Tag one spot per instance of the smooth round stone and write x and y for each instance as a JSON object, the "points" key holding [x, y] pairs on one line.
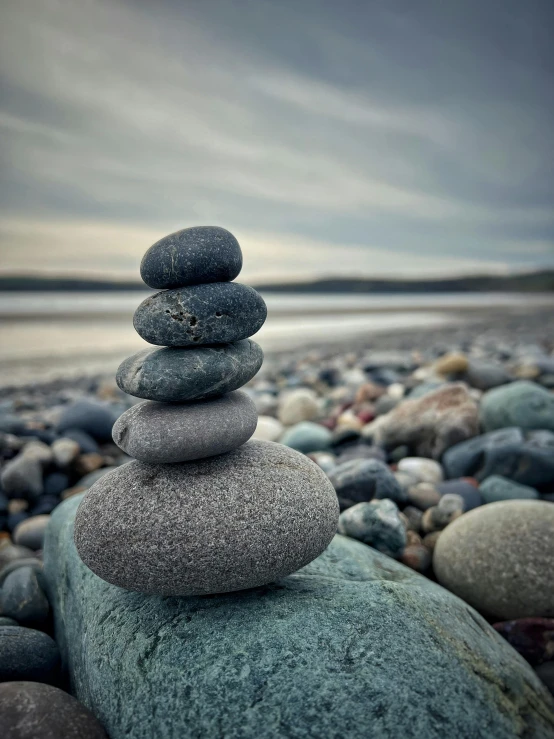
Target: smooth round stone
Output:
{"points": [[30, 533], [425, 470], [216, 313], [451, 364], [307, 437], [33, 562], [500, 559], [176, 374], [12, 552], [486, 375], [424, 495], [268, 429], [192, 256], [164, 433], [468, 492], [21, 477], [26, 654], [297, 406], [363, 479], [35, 711], [523, 404], [377, 523], [496, 488], [23, 599], [65, 451], [94, 417], [226, 523], [87, 444]]}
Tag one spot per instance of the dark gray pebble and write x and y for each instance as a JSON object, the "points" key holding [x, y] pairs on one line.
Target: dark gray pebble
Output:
{"points": [[94, 417], [17, 563], [177, 374], [26, 654], [23, 598], [192, 256], [361, 480], [217, 313]]}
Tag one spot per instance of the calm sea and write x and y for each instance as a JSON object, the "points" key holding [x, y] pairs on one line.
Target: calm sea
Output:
{"points": [[48, 335]]}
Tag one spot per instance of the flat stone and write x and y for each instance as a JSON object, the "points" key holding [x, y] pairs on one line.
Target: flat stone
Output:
{"points": [[360, 480], [216, 313], [526, 459], [23, 599], [179, 374], [30, 533], [500, 559], [307, 437], [524, 404], [377, 523], [226, 523], [35, 711], [337, 649], [192, 256], [26, 654], [496, 488], [165, 433]]}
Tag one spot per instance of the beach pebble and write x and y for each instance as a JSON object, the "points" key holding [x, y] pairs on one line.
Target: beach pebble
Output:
{"points": [[496, 488], [486, 375], [360, 450], [94, 417], [22, 477], [87, 445], [413, 516], [451, 364], [307, 437], [361, 480], [192, 256], [449, 507], [298, 405], [10, 553], [369, 392], [89, 479], [32, 710], [377, 523], [417, 557], [5, 621], [176, 375], [325, 460], [430, 540], [466, 490], [533, 638], [523, 404], [30, 533], [528, 459], [65, 451], [26, 654], [424, 495], [23, 599], [429, 425], [15, 564], [268, 429], [424, 470], [500, 559], [164, 433], [265, 510], [38, 451], [215, 313]]}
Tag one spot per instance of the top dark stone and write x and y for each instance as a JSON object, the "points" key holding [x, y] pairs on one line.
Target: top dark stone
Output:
{"points": [[192, 256]]}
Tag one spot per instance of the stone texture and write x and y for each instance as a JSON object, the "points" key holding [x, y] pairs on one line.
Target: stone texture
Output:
{"points": [[430, 424], [26, 654], [496, 488], [377, 524], [179, 374], [528, 459], [192, 256], [500, 558], [30, 533], [226, 523], [361, 480], [336, 650], [297, 406], [23, 599], [164, 433], [523, 404], [307, 437], [22, 477], [424, 470], [94, 417], [36, 711], [466, 490], [216, 313]]}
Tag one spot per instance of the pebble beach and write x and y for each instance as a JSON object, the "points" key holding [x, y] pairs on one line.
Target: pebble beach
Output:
{"points": [[389, 523]]}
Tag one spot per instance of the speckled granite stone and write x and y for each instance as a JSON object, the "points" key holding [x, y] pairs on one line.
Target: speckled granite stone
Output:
{"points": [[179, 374], [217, 313], [354, 645], [161, 433], [221, 524], [192, 256]]}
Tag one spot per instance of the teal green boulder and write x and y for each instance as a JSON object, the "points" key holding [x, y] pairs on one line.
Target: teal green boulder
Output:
{"points": [[354, 645], [496, 488], [524, 404]]}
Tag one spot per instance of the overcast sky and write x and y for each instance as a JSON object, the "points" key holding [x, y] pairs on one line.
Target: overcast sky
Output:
{"points": [[361, 137]]}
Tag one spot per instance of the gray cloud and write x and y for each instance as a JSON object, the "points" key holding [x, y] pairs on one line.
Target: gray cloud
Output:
{"points": [[372, 138]]}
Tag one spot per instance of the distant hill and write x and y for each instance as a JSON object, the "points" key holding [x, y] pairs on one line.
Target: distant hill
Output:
{"points": [[529, 282]]}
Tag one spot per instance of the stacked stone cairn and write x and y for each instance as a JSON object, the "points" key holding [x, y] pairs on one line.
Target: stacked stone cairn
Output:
{"points": [[200, 509]]}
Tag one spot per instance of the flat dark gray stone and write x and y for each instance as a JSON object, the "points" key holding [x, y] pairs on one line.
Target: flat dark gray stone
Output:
{"points": [[192, 256], [166, 433], [353, 646], [221, 524], [26, 654], [217, 313], [179, 374]]}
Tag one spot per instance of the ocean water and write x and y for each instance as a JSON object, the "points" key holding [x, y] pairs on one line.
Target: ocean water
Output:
{"points": [[49, 335]]}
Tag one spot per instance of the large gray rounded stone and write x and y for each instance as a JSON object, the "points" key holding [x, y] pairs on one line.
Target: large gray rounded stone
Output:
{"points": [[500, 558], [523, 404], [217, 313], [192, 256], [178, 374], [354, 645], [226, 523], [164, 433]]}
